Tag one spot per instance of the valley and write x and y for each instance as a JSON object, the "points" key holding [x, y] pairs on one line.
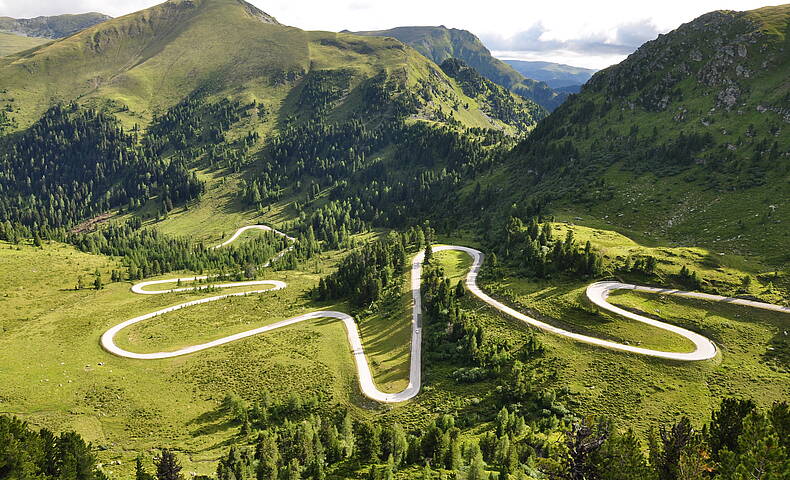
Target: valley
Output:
{"points": [[386, 254]]}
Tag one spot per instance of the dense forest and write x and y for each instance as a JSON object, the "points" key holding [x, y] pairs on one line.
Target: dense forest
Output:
{"points": [[346, 163], [29, 454], [76, 163], [740, 441]]}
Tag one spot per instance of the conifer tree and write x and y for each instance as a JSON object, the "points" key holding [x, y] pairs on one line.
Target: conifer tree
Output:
{"points": [[167, 466], [428, 254]]}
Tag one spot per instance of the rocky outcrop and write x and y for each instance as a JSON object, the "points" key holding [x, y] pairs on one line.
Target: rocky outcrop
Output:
{"points": [[714, 50]]}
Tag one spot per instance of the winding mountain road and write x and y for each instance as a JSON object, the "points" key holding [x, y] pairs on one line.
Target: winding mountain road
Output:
{"points": [[597, 293]]}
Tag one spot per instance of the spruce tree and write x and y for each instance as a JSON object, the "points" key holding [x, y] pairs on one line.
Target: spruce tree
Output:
{"points": [[428, 254], [477, 467], [167, 466]]}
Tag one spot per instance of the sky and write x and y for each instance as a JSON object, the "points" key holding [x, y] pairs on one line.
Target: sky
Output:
{"points": [[583, 33]]}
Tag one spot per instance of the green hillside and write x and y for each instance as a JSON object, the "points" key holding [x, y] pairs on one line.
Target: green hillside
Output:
{"points": [[441, 43], [130, 149], [686, 139], [10, 43], [143, 63], [332, 110], [57, 26]]}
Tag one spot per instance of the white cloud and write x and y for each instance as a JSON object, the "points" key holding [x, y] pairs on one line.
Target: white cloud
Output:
{"points": [[592, 32]]}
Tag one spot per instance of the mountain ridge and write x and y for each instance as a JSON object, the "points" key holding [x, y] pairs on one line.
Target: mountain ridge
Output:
{"points": [[51, 27], [145, 62], [688, 131], [439, 43], [555, 75]]}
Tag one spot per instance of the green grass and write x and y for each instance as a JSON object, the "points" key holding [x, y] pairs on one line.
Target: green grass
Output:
{"points": [[754, 352], [641, 391], [10, 43], [562, 300], [51, 339]]}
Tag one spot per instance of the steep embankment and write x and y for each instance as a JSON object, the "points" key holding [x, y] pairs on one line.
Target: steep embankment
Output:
{"points": [[686, 139]]}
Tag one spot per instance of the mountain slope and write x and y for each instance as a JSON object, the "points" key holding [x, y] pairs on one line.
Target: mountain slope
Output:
{"points": [[441, 43], [495, 100], [194, 85], [686, 138], [57, 26], [555, 75], [10, 43], [145, 62]]}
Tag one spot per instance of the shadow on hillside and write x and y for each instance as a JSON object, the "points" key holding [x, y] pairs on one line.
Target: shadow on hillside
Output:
{"points": [[778, 350], [210, 422]]}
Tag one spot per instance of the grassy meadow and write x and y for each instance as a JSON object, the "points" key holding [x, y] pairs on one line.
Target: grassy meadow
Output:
{"points": [[56, 374]]}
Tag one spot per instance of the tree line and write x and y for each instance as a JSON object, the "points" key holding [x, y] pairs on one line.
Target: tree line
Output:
{"points": [[147, 252], [740, 441]]}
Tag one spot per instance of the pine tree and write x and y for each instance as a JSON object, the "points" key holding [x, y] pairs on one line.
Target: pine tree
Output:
{"points": [[726, 425], [167, 467], [666, 458], [621, 458], [293, 470], [761, 456], [428, 254], [477, 468], [347, 435], [460, 289]]}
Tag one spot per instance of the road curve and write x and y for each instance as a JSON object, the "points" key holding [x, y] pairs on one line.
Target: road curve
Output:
{"points": [[597, 293], [367, 386]]}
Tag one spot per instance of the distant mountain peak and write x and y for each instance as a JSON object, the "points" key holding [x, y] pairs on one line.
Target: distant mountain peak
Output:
{"points": [[58, 26], [249, 8], [440, 43]]}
